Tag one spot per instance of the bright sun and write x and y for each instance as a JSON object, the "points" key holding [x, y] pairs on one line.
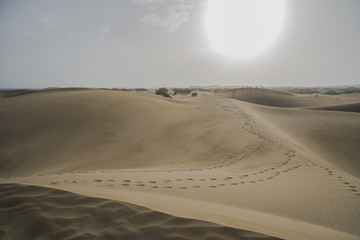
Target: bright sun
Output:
{"points": [[242, 28]]}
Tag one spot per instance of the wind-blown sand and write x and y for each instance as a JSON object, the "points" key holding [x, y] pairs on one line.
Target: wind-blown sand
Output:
{"points": [[63, 215], [286, 172]]}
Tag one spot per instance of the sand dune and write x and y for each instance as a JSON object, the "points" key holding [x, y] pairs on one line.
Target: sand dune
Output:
{"points": [[53, 214], [274, 98], [285, 172], [355, 107], [332, 135]]}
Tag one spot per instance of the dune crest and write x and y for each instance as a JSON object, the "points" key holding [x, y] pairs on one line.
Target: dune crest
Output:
{"points": [[64, 215]]}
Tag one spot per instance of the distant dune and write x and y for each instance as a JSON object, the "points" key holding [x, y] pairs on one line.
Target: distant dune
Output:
{"points": [[278, 164], [355, 107], [274, 98]]}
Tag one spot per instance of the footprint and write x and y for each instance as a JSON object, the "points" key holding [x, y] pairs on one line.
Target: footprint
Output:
{"points": [[234, 184], [168, 187], [127, 180], [140, 185], [154, 187], [212, 186], [110, 185], [190, 179], [74, 181], [183, 187], [152, 182], [252, 182], [97, 180], [111, 180], [213, 179], [54, 183], [125, 184], [196, 186]]}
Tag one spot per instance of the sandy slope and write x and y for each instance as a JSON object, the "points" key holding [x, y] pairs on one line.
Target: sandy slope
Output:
{"points": [[269, 170], [53, 214], [281, 99]]}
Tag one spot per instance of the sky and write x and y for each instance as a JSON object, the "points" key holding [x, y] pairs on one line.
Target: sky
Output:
{"points": [[164, 43]]}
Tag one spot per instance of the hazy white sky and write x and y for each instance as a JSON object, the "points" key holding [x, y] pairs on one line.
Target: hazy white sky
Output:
{"points": [[154, 43]]}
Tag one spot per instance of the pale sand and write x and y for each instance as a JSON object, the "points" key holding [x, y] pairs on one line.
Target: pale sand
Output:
{"points": [[289, 173]]}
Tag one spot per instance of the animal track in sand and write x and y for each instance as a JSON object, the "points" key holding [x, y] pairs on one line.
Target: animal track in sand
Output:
{"points": [[97, 180], [125, 184]]}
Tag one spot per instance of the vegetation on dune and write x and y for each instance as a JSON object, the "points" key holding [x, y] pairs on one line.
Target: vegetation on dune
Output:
{"points": [[163, 91], [183, 91]]}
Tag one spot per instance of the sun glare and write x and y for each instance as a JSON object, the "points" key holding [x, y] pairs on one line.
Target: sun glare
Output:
{"points": [[243, 28]]}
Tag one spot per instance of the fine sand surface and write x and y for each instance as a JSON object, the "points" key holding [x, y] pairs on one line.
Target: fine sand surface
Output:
{"points": [[29, 212], [287, 170]]}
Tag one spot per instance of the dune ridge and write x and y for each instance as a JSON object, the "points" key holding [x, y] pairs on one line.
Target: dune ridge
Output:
{"points": [[210, 158], [54, 214], [268, 97]]}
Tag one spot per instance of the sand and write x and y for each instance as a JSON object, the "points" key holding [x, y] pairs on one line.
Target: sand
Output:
{"points": [[290, 172], [64, 215]]}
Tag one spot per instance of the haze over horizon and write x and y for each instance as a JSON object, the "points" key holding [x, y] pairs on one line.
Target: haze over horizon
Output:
{"points": [[154, 43]]}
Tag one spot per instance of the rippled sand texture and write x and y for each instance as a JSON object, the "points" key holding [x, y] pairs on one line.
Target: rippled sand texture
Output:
{"points": [[29, 212]]}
